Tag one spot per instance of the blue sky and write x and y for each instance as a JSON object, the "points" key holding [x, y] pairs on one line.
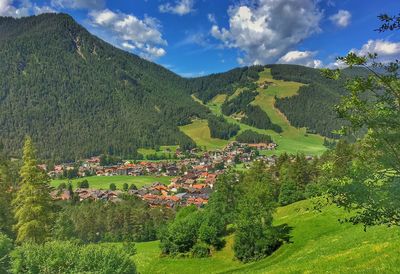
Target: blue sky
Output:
{"points": [[198, 37]]}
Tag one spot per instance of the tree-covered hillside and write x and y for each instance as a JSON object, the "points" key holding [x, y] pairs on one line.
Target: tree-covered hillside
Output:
{"points": [[77, 95], [313, 107]]}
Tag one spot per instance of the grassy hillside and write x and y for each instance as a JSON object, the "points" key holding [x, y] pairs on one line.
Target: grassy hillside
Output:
{"points": [[199, 132], [291, 140], [320, 244], [103, 182]]}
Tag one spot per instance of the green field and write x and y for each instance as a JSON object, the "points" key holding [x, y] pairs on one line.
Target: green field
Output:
{"points": [[292, 140], [199, 131], [320, 244], [103, 182]]}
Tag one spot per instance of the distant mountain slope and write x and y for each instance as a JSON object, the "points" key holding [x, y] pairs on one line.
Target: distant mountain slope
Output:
{"points": [[77, 95], [313, 107]]}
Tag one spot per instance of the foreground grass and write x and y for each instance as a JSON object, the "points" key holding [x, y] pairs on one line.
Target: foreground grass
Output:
{"points": [[320, 244], [103, 182]]}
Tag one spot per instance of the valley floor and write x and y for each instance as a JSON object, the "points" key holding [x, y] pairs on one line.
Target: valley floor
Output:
{"points": [[320, 244]]}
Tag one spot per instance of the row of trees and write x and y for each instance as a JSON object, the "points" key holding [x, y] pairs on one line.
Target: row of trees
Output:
{"points": [[220, 128], [252, 137], [256, 117]]}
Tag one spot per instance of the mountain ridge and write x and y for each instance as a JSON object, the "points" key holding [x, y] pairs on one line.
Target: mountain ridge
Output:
{"points": [[62, 85]]}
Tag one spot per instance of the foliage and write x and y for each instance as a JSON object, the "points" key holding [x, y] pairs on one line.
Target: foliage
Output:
{"points": [[207, 87], [82, 184], [6, 246], [313, 107], [180, 235], [252, 137], [368, 183], [113, 187], [59, 82], [6, 195], [200, 250], [389, 22], [220, 128], [256, 117], [255, 237], [238, 103], [33, 204], [128, 220], [68, 257]]}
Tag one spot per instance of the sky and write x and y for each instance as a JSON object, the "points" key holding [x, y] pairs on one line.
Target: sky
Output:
{"points": [[200, 37]]}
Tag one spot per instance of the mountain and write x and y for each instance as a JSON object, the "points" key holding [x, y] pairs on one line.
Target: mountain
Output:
{"points": [[78, 96]]}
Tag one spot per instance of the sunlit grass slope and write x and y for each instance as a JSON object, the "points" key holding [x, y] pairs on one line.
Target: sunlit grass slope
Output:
{"points": [[199, 131], [320, 244], [292, 139]]}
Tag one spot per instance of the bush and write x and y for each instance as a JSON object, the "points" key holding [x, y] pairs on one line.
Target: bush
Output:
{"points": [[113, 187], [200, 250], [68, 257], [82, 184], [5, 248]]}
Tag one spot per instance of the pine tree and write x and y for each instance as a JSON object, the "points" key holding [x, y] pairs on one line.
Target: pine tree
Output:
{"points": [[32, 204]]}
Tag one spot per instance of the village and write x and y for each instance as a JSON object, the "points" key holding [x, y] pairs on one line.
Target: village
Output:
{"points": [[192, 181]]}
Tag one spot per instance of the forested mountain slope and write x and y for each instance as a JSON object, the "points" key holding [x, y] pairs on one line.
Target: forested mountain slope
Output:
{"points": [[77, 95], [313, 107]]}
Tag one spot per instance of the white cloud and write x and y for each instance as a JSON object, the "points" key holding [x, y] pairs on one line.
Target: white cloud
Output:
{"points": [[79, 4], [267, 29], [341, 19], [304, 58], [13, 9], [386, 50], [181, 7], [211, 18], [42, 9], [128, 31], [22, 8]]}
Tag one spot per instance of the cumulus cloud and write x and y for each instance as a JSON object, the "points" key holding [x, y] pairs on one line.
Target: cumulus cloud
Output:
{"points": [[267, 29], [181, 7], [79, 4], [304, 58], [14, 9], [386, 50], [22, 8], [142, 36], [341, 19]]}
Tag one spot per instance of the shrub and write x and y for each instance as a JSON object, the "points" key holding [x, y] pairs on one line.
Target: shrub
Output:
{"points": [[200, 250], [113, 187], [5, 248], [83, 184], [68, 257]]}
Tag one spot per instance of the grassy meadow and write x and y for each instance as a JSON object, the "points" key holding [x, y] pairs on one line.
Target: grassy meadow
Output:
{"points": [[103, 182], [199, 131], [319, 244], [291, 140]]}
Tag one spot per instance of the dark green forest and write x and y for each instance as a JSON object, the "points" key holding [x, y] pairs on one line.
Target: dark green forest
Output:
{"points": [[313, 107], [61, 85], [251, 137]]}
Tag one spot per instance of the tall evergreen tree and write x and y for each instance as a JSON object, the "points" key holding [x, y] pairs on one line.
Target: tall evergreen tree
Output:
{"points": [[32, 204]]}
